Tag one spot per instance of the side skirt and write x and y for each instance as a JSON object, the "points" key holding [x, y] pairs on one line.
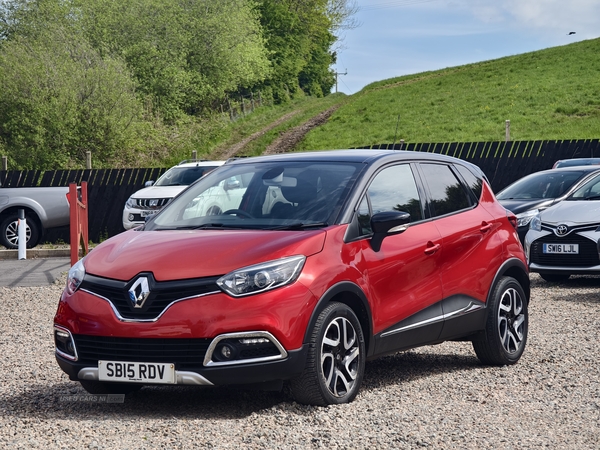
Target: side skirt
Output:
{"points": [[450, 319]]}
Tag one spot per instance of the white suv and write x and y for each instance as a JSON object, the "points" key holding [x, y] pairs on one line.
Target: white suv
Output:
{"points": [[152, 199]]}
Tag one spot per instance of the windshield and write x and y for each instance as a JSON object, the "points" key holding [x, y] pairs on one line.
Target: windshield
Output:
{"points": [[183, 176], [267, 195], [587, 191], [541, 185]]}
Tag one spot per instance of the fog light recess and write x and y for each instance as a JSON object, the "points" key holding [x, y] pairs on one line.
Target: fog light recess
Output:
{"points": [[238, 348], [64, 343]]}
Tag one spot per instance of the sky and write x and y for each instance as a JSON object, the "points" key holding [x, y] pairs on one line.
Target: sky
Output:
{"points": [[402, 37]]}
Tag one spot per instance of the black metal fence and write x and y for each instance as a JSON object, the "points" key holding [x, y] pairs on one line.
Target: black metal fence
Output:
{"points": [[109, 189], [505, 162]]}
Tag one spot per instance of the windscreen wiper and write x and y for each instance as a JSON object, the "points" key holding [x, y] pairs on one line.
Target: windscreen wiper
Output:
{"points": [[300, 226]]}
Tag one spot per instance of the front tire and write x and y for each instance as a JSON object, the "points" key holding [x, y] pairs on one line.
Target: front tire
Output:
{"points": [[336, 359], [505, 335], [9, 232]]}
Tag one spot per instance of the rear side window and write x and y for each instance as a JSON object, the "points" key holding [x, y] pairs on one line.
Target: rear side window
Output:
{"points": [[473, 182], [447, 193]]}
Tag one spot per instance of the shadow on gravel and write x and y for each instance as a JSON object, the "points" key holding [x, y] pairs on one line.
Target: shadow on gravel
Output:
{"points": [[577, 289], [406, 366], [70, 401]]}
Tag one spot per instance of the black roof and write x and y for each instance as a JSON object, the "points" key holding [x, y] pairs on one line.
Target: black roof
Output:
{"points": [[365, 156]]}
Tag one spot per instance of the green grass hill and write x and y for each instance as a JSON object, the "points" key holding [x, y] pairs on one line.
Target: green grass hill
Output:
{"points": [[551, 94]]}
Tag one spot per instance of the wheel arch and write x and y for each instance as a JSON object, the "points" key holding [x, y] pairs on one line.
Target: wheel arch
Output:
{"points": [[30, 213], [516, 269], [352, 296]]}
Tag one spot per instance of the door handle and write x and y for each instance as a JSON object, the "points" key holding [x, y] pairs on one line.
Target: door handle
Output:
{"points": [[432, 248], [485, 227]]}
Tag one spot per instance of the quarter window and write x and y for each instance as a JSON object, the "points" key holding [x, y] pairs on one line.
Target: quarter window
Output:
{"points": [[447, 192], [475, 183]]}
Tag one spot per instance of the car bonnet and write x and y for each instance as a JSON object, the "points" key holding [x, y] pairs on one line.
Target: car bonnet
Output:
{"points": [[184, 254]]}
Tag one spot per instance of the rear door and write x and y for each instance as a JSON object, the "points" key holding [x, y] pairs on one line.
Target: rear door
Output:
{"points": [[468, 248]]}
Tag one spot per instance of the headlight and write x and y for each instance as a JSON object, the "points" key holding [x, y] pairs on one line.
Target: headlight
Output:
{"points": [[131, 203], [262, 277], [524, 218], [536, 223], [75, 277]]}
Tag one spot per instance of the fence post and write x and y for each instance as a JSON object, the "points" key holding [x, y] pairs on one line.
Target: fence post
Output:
{"points": [[230, 110], [507, 126], [78, 213], [243, 107], [22, 234], [88, 160], [194, 154], [5, 163]]}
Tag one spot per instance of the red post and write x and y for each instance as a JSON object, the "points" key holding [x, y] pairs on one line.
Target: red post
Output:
{"points": [[78, 219]]}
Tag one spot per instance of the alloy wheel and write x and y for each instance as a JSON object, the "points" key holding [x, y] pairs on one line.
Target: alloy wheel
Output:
{"points": [[340, 353], [511, 320]]}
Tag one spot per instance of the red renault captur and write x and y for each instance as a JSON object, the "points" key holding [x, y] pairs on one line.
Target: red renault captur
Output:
{"points": [[299, 268]]}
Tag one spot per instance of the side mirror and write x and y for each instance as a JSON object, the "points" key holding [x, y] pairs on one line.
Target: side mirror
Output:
{"points": [[149, 183], [386, 223], [231, 183]]}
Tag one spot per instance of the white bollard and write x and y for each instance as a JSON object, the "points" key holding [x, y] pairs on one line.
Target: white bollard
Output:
{"points": [[22, 234]]}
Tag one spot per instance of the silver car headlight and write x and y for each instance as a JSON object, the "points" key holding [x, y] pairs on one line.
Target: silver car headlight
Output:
{"points": [[131, 203], [536, 223], [524, 218], [262, 277], [75, 277]]}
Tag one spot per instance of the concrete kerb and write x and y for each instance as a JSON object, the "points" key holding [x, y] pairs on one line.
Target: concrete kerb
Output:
{"points": [[36, 253]]}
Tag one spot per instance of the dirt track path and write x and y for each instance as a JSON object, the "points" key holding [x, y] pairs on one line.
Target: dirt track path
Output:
{"points": [[285, 142], [230, 152], [288, 140]]}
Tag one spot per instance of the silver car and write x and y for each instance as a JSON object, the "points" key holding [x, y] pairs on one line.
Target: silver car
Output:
{"points": [[563, 239]]}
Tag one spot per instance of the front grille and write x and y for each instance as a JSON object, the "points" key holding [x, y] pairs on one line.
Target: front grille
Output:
{"points": [[152, 203], [187, 354], [162, 293], [587, 256]]}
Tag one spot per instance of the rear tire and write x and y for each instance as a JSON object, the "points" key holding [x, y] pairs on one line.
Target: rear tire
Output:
{"points": [[555, 277], [104, 388], [9, 232], [336, 359], [505, 335]]}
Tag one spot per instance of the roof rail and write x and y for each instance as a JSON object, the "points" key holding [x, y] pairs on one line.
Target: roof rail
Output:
{"points": [[185, 161]]}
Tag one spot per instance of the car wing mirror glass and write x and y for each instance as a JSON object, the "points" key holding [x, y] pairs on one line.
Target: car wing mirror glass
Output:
{"points": [[385, 223]]}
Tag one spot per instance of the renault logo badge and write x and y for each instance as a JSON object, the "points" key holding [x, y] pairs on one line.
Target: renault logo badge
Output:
{"points": [[561, 230], [139, 292]]}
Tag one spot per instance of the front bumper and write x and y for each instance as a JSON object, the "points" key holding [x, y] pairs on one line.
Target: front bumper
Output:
{"points": [[238, 374], [585, 262]]}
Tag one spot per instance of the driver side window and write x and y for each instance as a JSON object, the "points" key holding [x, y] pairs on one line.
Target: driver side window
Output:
{"points": [[392, 189]]}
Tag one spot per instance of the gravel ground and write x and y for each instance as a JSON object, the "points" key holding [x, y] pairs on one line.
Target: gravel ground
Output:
{"points": [[437, 397]]}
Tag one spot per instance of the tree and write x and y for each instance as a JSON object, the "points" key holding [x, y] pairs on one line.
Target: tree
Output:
{"points": [[300, 35], [185, 54], [59, 99]]}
